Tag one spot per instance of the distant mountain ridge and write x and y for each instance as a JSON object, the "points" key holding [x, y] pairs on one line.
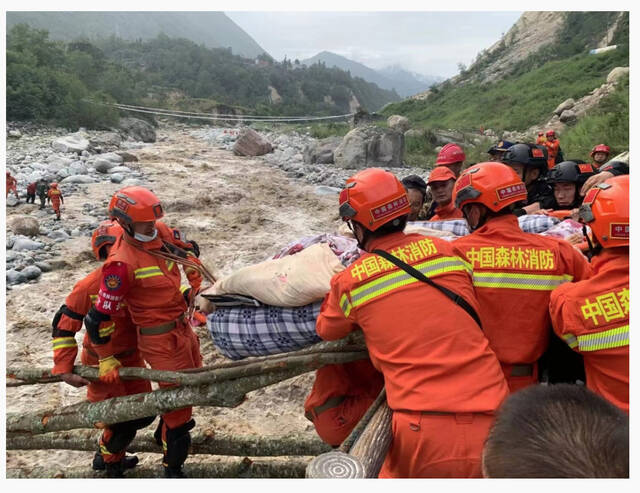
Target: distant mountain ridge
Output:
{"points": [[212, 29], [393, 77]]}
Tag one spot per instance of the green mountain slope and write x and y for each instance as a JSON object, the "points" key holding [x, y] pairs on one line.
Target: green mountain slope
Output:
{"points": [[213, 29], [51, 80], [530, 89]]}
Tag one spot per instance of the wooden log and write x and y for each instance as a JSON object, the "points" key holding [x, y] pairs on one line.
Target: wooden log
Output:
{"points": [[275, 363], [367, 447], [372, 445], [206, 442], [290, 467], [348, 442], [100, 414]]}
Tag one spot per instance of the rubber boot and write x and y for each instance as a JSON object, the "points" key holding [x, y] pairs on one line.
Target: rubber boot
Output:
{"points": [[115, 469], [129, 462], [174, 472]]}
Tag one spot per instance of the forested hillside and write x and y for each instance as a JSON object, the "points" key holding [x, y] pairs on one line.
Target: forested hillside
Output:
{"points": [[212, 29], [50, 80]]}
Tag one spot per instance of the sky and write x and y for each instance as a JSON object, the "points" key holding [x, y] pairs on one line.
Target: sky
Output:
{"points": [[430, 43]]}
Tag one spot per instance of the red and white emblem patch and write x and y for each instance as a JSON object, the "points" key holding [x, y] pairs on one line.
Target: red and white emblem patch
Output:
{"points": [[619, 231], [511, 191], [112, 282], [389, 208]]}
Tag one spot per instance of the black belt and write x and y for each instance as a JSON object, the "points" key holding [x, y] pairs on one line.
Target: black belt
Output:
{"points": [[162, 328], [521, 371]]}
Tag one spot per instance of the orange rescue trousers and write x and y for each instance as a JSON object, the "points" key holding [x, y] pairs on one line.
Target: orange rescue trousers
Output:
{"points": [[115, 439], [334, 425], [431, 445], [178, 349]]}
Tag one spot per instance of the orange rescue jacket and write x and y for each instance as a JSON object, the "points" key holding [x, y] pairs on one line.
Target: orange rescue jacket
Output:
{"points": [[449, 211], [433, 356], [80, 300], [150, 285], [552, 150], [513, 274], [592, 316]]}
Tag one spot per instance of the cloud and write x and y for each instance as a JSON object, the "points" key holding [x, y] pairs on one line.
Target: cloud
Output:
{"points": [[431, 43]]}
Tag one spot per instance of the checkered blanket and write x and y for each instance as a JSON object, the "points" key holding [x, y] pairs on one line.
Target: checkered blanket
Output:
{"points": [[239, 332], [529, 223]]}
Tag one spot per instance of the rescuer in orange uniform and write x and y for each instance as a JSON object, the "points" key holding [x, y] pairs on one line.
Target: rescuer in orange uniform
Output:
{"points": [[592, 316], [513, 272], [55, 196], [452, 156], [11, 185], [600, 154], [541, 138], [136, 273], [443, 382], [552, 144], [340, 396], [122, 345], [441, 181]]}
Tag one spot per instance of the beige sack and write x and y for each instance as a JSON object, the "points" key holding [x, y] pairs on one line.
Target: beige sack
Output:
{"points": [[294, 280]]}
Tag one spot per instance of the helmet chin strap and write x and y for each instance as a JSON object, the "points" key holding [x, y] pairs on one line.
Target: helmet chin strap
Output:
{"points": [[481, 221]]}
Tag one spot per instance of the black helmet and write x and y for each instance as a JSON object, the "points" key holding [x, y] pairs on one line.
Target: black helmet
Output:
{"points": [[530, 155], [571, 172]]}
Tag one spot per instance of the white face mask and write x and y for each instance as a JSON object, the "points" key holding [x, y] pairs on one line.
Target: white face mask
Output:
{"points": [[145, 238]]}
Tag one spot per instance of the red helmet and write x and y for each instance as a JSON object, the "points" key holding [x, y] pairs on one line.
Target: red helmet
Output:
{"points": [[449, 154], [601, 148], [106, 234], [54, 185], [135, 205], [8, 173], [606, 210], [551, 133], [373, 197], [540, 134], [492, 184]]}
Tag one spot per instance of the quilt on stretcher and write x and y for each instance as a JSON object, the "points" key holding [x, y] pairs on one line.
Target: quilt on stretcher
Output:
{"points": [[239, 332]]}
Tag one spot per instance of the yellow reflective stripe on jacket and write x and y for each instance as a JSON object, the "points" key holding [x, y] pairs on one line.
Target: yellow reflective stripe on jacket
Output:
{"points": [[93, 298], [107, 330], [183, 288], [606, 339], [170, 264], [63, 342], [571, 340], [345, 305], [511, 280], [400, 278], [145, 272], [104, 450]]}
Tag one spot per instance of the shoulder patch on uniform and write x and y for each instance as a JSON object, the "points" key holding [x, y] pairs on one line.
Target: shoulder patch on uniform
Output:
{"points": [[112, 282]]}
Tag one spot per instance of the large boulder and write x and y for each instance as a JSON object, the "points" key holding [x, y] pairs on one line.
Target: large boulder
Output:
{"points": [[15, 277], [368, 146], [78, 179], [321, 151], [107, 139], [31, 272], [398, 123], [251, 143], [22, 243], [443, 137], [105, 162], [565, 105], [617, 73], [56, 163], [127, 157], [137, 129], [71, 143], [568, 116], [78, 168], [24, 225], [12, 201]]}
